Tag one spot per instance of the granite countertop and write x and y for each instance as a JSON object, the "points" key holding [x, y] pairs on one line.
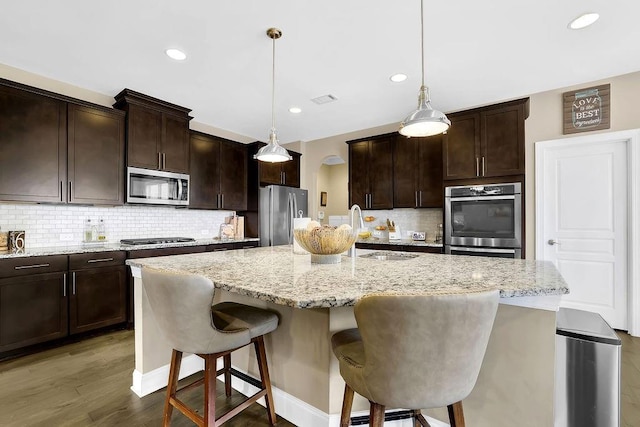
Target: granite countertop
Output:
{"points": [[106, 247], [277, 275]]}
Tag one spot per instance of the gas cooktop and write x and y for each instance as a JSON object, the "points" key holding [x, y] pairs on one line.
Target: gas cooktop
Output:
{"points": [[156, 240]]}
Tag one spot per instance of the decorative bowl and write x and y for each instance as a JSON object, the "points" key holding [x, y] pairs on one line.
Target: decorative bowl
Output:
{"points": [[325, 243]]}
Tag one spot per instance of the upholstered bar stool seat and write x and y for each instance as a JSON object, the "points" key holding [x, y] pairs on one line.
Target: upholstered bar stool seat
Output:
{"points": [[415, 352], [182, 307]]}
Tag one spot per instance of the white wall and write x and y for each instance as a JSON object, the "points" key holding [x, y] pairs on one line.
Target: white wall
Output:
{"points": [[44, 224]]}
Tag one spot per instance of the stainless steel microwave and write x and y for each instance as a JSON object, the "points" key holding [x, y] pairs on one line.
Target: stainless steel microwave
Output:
{"points": [[157, 187]]}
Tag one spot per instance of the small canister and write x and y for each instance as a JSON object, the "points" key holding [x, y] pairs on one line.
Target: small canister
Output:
{"points": [[16, 242], [4, 242]]}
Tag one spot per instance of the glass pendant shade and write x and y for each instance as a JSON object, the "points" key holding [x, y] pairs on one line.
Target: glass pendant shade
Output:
{"points": [[425, 121], [272, 152]]}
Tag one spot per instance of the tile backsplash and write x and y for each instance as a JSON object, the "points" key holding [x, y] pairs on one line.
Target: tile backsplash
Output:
{"points": [[409, 219], [60, 225]]}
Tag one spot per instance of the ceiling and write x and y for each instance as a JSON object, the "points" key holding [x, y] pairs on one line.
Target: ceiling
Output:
{"points": [[476, 53]]}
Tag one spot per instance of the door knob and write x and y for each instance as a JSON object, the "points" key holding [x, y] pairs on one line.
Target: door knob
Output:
{"points": [[552, 242]]}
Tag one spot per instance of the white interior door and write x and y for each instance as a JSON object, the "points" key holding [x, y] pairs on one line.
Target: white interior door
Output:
{"points": [[583, 203]]}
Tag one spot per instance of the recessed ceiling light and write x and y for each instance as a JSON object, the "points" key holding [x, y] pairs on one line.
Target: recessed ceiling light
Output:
{"points": [[176, 54], [397, 78], [295, 110], [583, 21]]}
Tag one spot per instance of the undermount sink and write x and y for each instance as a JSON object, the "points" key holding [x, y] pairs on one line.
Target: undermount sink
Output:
{"points": [[388, 256]]}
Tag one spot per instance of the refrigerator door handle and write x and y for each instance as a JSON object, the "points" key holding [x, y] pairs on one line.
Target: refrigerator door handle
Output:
{"points": [[270, 216]]}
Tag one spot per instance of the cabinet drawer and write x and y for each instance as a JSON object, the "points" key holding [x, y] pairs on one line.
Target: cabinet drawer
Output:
{"points": [[96, 260], [220, 247], [246, 245], [23, 266]]}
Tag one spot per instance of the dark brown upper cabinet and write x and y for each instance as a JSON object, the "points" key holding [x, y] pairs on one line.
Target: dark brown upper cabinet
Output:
{"points": [[486, 142], [218, 173], [282, 173], [417, 172], [157, 132], [57, 149], [95, 158], [371, 172]]}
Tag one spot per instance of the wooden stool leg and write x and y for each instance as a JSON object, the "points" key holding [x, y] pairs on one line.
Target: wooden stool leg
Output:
{"points": [[347, 402], [227, 374], [210, 390], [261, 355], [174, 372], [419, 420], [376, 415], [456, 416]]}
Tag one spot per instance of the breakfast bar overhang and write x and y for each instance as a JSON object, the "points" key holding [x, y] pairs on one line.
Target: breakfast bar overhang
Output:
{"points": [[516, 382]]}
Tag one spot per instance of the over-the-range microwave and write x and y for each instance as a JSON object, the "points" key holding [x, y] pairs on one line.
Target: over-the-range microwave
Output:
{"points": [[157, 187]]}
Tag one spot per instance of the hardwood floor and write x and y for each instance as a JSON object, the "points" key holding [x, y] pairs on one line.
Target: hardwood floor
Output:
{"points": [[87, 384]]}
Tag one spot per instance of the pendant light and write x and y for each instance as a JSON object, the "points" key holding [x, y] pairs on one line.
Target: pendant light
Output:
{"points": [[273, 152], [425, 121]]}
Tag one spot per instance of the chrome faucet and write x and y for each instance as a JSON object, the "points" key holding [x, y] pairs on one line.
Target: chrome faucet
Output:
{"points": [[352, 250]]}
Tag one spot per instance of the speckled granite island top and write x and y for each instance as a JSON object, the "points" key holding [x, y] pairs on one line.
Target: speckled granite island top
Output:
{"points": [[277, 275]]}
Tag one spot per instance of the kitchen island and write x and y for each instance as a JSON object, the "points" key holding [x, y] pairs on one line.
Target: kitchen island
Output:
{"points": [[516, 382]]}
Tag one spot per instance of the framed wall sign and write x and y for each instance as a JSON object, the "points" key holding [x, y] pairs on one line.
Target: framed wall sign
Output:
{"points": [[323, 198], [586, 109]]}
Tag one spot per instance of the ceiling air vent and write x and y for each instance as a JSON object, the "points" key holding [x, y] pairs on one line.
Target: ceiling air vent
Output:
{"points": [[324, 99]]}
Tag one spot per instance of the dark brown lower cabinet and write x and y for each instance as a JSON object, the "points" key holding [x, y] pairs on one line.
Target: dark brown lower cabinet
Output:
{"points": [[98, 298], [33, 309], [33, 300], [399, 248]]}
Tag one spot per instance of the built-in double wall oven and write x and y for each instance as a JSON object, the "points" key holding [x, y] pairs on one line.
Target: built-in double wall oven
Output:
{"points": [[484, 220]]}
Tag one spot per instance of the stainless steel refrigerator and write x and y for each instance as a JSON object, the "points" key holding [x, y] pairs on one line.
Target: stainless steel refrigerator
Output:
{"points": [[277, 206]]}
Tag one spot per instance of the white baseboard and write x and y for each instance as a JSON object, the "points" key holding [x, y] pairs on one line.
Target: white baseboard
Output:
{"points": [[144, 384], [287, 406]]}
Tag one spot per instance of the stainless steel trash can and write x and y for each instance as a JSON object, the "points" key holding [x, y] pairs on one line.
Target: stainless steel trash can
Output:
{"points": [[587, 389]]}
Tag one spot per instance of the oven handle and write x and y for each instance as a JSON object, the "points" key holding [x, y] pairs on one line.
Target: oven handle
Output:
{"points": [[490, 250], [480, 198]]}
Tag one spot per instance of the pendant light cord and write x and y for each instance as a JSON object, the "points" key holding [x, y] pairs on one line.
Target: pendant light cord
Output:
{"points": [[422, 36], [273, 87]]}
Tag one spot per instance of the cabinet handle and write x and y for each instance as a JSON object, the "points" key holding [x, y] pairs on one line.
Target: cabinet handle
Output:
{"points": [[164, 160], [482, 165], [70, 190], [221, 201], [74, 284], [100, 260], [416, 199], [24, 267], [477, 166], [159, 160], [64, 285], [61, 191], [420, 198], [281, 177]]}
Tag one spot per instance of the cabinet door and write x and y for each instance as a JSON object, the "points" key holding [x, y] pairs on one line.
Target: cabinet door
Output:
{"points": [[175, 144], [98, 298], [429, 159], [144, 136], [502, 141], [405, 171], [95, 156], [461, 147], [233, 176], [358, 173], [291, 171], [33, 147], [381, 174], [33, 309], [205, 172], [270, 173]]}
